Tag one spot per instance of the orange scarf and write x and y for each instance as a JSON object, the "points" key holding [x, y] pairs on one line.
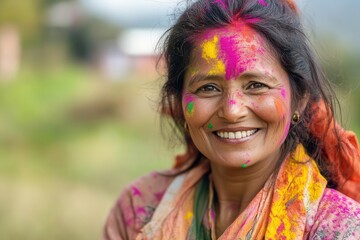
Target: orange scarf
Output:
{"points": [[284, 210], [340, 149]]}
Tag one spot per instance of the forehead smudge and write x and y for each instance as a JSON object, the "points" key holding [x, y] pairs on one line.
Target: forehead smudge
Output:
{"points": [[232, 50], [210, 53]]}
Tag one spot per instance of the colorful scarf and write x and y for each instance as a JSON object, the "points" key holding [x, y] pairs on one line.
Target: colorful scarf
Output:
{"points": [[282, 210]]}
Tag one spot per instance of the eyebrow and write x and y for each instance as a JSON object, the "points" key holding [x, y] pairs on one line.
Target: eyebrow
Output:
{"points": [[201, 77], [248, 75]]}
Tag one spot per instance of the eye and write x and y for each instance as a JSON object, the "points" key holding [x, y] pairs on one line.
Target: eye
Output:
{"points": [[256, 85], [207, 89]]}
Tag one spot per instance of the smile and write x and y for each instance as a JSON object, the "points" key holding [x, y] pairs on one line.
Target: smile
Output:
{"points": [[236, 135]]}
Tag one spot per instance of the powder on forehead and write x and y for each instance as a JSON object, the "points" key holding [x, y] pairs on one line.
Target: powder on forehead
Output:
{"points": [[210, 53], [230, 50]]}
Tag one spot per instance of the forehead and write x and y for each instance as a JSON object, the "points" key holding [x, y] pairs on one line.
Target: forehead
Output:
{"points": [[231, 50]]}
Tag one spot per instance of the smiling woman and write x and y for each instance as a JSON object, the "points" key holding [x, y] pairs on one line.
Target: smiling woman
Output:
{"points": [[265, 159]]}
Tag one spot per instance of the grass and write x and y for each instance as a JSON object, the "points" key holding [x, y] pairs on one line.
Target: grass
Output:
{"points": [[69, 143]]}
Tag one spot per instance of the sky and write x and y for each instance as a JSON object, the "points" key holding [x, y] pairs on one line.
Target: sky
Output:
{"points": [[334, 17]]}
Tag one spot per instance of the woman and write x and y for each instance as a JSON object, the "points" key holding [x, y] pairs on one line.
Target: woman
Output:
{"points": [[265, 158]]}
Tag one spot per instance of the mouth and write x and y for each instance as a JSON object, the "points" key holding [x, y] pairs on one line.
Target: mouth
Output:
{"points": [[236, 135]]}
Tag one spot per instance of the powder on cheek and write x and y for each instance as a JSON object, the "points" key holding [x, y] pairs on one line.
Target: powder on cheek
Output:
{"points": [[282, 113], [210, 126], [190, 104], [283, 92], [279, 108]]}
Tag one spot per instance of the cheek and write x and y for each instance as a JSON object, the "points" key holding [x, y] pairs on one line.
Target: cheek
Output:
{"points": [[189, 105], [272, 109], [197, 111]]}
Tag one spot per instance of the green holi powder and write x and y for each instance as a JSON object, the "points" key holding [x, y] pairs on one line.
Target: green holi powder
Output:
{"points": [[244, 165], [210, 126], [190, 108]]}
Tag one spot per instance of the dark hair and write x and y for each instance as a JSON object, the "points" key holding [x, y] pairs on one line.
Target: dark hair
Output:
{"points": [[279, 23]]}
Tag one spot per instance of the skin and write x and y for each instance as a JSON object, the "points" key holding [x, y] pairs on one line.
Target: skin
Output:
{"points": [[236, 84]]}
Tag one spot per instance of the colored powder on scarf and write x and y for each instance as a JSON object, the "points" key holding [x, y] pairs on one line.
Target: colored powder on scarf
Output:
{"points": [[140, 210], [262, 2], [189, 215], [210, 126], [159, 195], [280, 228], [135, 191], [210, 54], [283, 226]]}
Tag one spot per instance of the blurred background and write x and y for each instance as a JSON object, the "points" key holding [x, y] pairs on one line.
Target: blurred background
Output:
{"points": [[78, 104]]}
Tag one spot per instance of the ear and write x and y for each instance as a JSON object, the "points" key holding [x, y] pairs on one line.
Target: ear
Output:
{"points": [[303, 103]]}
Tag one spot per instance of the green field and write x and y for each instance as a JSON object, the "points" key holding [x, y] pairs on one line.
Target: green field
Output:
{"points": [[69, 142]]}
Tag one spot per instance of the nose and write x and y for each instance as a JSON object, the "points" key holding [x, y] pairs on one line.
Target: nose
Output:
{"points": [[233, 109]]}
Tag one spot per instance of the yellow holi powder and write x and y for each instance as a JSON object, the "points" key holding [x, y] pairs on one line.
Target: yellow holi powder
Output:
{"points": [[210, 49], [301, 186], [210, 52], [189, 216]]}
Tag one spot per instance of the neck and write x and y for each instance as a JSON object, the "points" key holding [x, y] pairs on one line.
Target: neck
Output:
{"points": [[235, 188]]}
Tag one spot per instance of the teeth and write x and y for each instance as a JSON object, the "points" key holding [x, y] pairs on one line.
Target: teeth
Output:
{"points": [[236, 135]]}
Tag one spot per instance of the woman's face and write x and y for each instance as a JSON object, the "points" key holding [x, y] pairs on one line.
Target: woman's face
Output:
{"points": [[236, 98]]}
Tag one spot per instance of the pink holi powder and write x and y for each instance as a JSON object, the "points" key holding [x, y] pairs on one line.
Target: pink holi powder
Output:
{"points": [[231, 57], [135, 191], [159, 195], [262, 2], [188, 98], [280, 228], [283, 92], [140, 210], [232, 102], [252, 20], [212, 213]]}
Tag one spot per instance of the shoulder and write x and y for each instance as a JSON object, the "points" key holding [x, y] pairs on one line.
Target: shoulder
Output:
{"points": [[136, 205], [338, 217]]}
